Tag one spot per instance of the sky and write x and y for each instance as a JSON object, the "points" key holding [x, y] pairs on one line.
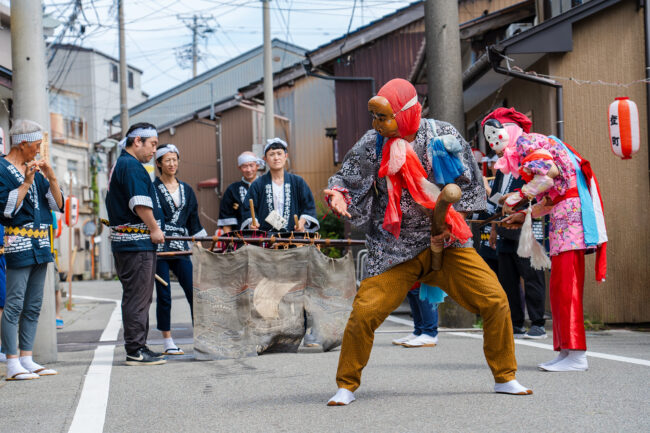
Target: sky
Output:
{"points": [[155, 29]]}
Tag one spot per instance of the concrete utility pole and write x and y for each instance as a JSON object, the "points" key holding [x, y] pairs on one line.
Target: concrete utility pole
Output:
{"points": [[124, 106], [444, 69], [269, 116], [201, 27], [31, 102], [195, 54]]}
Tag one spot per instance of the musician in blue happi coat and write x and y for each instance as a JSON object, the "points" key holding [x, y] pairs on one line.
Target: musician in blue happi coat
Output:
{"points": [[136, 220], [279, 195], [181, 212], [230, 208], [29, 190]]}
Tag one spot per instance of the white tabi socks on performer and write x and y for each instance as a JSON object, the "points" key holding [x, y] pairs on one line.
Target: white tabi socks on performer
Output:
{"points": [[513, 387], [563, 354], [343, 397], [574, 360]]}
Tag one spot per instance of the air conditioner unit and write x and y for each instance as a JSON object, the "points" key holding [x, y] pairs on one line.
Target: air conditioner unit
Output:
{"points": [[516, 28]]}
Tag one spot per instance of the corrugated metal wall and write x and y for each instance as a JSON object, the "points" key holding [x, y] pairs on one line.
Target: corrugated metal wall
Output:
{"points": [[237, 126], [224, 85], [391, 56], [470, 9], [197, 144], [310, 105]]}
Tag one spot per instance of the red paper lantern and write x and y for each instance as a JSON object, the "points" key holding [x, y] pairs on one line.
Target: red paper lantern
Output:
{"points": [[71, 210], [59, 225], [624, 135]]}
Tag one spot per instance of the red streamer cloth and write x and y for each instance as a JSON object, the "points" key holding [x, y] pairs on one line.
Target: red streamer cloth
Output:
{"points": [[405, 170]]}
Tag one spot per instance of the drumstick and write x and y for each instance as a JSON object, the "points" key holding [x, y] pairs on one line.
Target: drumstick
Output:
{"points": [[250, 203], [295, 220], [45, 147], [161, 281]]}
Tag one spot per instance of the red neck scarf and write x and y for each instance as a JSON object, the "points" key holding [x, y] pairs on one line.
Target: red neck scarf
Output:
{"points": [[402, 167]]}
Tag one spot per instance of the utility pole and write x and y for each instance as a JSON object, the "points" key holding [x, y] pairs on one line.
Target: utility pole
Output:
{"points": [[195, 54], [269, 116], [444, 69], [124, 107], [30, 98], [200, 27]]}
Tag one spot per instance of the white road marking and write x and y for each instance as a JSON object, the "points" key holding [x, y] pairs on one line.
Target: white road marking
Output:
{"points": [[91, 410], [626, 359]]}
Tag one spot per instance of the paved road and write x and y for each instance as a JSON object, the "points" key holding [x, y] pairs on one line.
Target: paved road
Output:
{"points": [[405, 390]]}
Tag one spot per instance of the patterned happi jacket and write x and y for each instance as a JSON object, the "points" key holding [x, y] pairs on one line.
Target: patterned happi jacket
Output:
{"points": [[368, 197]]}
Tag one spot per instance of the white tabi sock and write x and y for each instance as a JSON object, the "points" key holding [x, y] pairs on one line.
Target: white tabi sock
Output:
{"points": [[563, 354], [576, 360], [14, 368], [29, 364], [343, 397], [512, 387], [169, 344], [3, 357]]}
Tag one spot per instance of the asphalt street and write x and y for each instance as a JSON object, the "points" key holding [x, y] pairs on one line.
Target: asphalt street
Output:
{"points": [[445, 388]]}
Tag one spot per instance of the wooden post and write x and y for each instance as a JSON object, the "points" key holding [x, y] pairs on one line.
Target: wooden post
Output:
{"points": [[70, 252]]}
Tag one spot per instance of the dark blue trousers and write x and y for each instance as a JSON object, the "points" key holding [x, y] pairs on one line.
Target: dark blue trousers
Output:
{"points": [[182, 268], [425, 315]]}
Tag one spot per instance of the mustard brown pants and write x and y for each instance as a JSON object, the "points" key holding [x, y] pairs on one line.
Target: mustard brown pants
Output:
{"points": [[464, 276]]}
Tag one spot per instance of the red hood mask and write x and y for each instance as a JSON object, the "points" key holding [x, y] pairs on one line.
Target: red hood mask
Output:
{"points": [[403, 168]]}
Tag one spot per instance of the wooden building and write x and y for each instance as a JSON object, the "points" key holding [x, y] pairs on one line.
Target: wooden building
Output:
{"points": [[600, 41]]}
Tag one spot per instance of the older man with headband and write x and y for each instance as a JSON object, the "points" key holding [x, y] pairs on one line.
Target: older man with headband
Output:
{"points": [[29, 190], [136, 219], [231, 203]]}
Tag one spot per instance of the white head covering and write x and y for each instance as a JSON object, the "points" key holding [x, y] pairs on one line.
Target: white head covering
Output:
{"points": [[138, 132], [163, 150], [246, 157], [29, 137], [275, 140]]}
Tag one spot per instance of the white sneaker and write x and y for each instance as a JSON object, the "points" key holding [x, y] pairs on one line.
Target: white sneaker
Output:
{"points": [[576, 360], [401, 341], [423, 340]]}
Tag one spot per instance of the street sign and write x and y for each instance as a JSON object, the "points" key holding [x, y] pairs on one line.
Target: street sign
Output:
{"points": [[89, 228]]}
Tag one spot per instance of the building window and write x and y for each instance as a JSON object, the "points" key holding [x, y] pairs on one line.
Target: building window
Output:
{"points": [[72, 168], [114, 73], [130, 80]]}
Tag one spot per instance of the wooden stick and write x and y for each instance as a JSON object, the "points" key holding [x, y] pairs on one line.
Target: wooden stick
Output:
{"points": [[450, 194], [271, 240], [174, 253], [160, 280], [250, 203], [296, 221], [45, 147]]}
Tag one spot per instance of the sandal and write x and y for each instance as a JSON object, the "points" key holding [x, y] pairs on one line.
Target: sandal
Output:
{"points": [[23, 375], [174, 351], [45, 372]]}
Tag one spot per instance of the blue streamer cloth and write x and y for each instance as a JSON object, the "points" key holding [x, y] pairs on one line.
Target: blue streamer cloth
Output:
{"points": [[432, 294]]}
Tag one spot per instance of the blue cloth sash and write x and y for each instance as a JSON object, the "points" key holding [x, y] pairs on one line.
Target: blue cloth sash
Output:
{"points": [[589, 224]]}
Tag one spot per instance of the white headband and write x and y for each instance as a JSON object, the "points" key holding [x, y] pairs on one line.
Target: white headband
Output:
{"points": [[29, 137], [138, 132], [246, 158], [410, 103], [272, 141], [166, 149]]}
